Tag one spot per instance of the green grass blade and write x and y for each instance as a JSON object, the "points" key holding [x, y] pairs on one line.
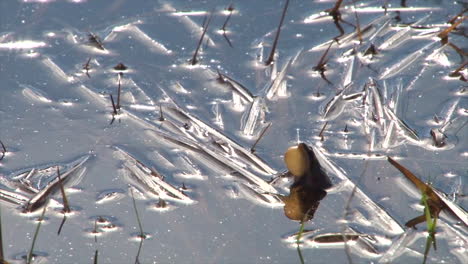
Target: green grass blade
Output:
{"points": [[30, 255]]}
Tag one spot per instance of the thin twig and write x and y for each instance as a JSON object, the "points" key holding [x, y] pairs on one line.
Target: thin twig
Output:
{"points": [[66, 206], [456, 72], [271, 58], [323, 130], [230, 9], [252, 149], [227, 39], [161, 116], [137, 258], [220, 78], [95, 257], [320, 67], [62, 224], [335, 13], [443, 35], [3, 150], [137, 215], [114, 109], [142, 236], [95, 230], [94, 40], [120, 67], [194, 59], [453, 19], [86, 67]]}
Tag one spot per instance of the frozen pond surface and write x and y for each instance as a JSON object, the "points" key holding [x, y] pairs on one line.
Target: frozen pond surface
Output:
{"points": [[180, 140]]}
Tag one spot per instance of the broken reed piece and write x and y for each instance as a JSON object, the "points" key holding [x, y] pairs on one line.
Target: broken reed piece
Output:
{"points": [[444, 34], [95, 41], [252, 149], [317, 94], [271, 58], [235, 86], [372, 50], [335, 10], [194, 59], [66, 206], [227, 40], [335, 13], [62, 224], [95, 230], [120, 67], [161, 116], [320, 67], [220, 78], [40, 197], [435, 199], [323, 130], [153, 181], [86, 67], [161, 203], [230, 9], [435, 203], [438, 137], [436, 119], [3, 150], [456, 72], [459, 15], [423, 187], [114, 109]]}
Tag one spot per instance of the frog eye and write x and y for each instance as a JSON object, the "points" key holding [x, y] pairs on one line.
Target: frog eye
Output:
{"points": [[297, 160]]}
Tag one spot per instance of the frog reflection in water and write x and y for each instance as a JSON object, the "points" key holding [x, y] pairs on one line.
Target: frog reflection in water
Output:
{"points": [[310, 183]]}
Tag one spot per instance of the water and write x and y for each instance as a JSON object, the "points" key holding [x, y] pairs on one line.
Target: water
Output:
{"points": [[217, 203]]}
